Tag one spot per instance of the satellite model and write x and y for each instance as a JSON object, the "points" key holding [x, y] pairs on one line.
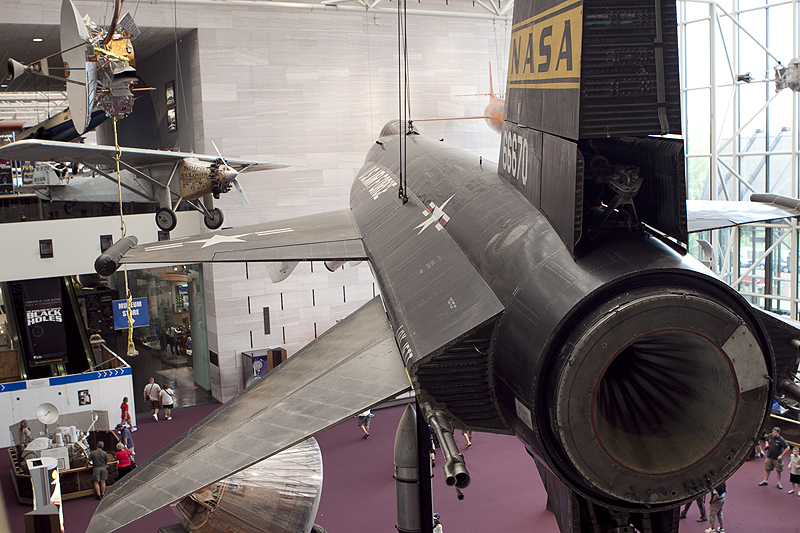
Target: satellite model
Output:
{"points": [[99, 65], [47, 414]]}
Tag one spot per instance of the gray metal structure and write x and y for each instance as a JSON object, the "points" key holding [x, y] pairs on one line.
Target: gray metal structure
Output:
{"points": [[741, 135], [552, 297], [314, 237], [706, 214]]}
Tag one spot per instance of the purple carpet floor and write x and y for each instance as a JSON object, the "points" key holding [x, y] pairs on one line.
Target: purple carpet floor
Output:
{"points": [[358, 493]]}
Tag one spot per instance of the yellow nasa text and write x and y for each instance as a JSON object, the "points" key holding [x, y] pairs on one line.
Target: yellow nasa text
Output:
{"points": [[546, 49]]}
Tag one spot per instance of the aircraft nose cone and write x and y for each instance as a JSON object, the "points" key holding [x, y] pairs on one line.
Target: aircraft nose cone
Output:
{"points": [[229, 174]]}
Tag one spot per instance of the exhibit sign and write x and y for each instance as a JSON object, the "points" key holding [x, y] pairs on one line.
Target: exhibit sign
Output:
{"points": [[6, 180], [44, 321], [139, 313], [27, 168]]}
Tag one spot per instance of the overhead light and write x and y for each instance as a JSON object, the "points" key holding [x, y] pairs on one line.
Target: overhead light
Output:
{"points": [[37, 39]]}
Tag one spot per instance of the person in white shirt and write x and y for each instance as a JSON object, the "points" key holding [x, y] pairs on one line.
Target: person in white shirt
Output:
{"points": [[166, 400], [794, 470], [152, 394], [437, 524], [363, 422]]}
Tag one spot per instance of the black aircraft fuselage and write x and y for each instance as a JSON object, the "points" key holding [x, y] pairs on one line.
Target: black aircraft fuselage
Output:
{"points": [[607, 363]]}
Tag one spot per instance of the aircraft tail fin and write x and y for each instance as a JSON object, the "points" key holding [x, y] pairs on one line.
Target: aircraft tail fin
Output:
{"points": [[491, 85], [580, 73]]}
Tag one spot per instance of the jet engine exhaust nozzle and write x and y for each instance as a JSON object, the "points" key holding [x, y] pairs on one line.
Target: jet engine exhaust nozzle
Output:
{"points": [[641, 378]]}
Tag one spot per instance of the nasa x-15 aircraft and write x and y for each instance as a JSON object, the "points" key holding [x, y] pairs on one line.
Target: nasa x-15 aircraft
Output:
{"points": [[150, 175], [551, 297]]}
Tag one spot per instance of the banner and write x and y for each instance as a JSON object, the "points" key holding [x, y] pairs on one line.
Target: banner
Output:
{"points": [[27, 173], [6, 182], [139, 313], [44, 323]]}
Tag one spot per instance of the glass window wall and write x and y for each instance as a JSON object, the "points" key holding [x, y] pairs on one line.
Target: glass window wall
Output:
{"points": [[741, 137]]}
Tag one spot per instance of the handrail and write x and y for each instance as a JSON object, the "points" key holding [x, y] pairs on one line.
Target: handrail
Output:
{"points": [[102, 344]]}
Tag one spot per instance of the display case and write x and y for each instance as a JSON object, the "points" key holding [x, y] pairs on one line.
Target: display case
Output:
{"points": [[256, 363]]}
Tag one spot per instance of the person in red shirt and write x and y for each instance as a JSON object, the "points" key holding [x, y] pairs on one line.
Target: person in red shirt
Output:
{"points": [[126, 416], [124, 456]]}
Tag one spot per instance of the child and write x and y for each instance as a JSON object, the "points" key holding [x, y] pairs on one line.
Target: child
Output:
{"points": [[126, 416], [794, 470]]}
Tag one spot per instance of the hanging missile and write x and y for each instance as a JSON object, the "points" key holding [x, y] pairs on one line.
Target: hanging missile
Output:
{"points": [[108, 262], [406, 473]]}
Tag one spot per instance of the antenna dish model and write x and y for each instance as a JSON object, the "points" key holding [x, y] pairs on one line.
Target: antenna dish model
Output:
{"points": [[47, 413]]}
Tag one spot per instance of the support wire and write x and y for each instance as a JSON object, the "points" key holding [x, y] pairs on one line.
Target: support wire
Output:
{"points": [[403, 96], [123, 229]]}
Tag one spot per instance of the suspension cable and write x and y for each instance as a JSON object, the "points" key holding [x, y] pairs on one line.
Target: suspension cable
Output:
{"points": [[403, 96], [123, 229]]}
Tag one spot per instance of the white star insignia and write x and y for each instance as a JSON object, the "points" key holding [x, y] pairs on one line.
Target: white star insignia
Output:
{"points": [[219, 239], [436, 215]]}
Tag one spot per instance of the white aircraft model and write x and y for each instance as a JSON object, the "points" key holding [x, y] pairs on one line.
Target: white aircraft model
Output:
{"points": [[168, 178]]}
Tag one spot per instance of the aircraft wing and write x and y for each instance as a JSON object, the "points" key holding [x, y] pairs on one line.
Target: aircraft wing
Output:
{"points": [[705, 215], [37, 150], [353, 366], [251, 166], [450, 118], [326, 236]]}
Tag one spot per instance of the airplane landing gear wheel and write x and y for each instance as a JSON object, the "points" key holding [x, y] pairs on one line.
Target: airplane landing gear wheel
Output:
{"points": [[215, 220], [166, 219]]}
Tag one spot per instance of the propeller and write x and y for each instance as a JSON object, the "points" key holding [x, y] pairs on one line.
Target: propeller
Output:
{"points": [[235, 173]]}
